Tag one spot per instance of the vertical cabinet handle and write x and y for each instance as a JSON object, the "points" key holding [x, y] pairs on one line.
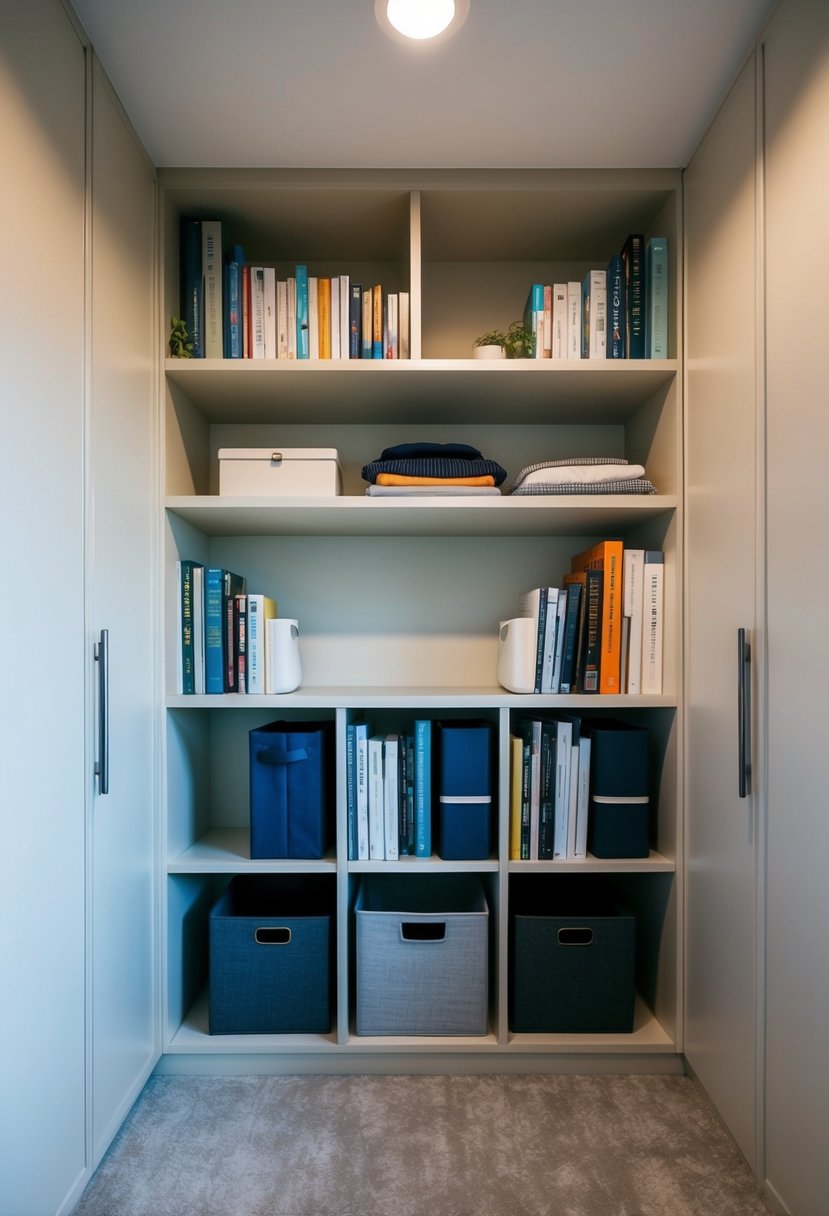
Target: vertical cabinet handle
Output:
{"points": [[102, 763], [743, 713]]}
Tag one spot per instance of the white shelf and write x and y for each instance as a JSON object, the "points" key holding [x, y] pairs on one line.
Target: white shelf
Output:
{"points": [[655, 863], [227, 851], [352, 515], [420, 390], [383, 697]]}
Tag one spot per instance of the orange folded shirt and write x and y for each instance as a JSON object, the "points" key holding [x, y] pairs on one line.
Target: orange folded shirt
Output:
{"points": [[400, 479]]}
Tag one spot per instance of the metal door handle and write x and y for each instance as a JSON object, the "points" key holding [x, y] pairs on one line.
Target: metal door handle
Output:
{"points": [[743, 713], [102, 763]]}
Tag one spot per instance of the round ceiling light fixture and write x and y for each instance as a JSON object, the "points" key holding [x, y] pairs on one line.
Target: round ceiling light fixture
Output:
{"points": [[421, 20]]}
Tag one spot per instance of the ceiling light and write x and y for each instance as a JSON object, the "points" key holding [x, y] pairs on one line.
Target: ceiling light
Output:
{"points": [[421, 20]]}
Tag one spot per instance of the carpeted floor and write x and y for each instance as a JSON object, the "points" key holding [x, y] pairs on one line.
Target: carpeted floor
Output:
{"points": [[422, 1146]]}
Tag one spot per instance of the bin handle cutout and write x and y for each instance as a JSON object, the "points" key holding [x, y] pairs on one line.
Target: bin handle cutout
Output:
{"points": [[575, 937], [423, 931], [278, 755], [272, 936]]}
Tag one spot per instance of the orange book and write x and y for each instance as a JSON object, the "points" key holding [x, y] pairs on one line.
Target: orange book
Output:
{"points": [[377, 321], [324, 315], [607, 556]]}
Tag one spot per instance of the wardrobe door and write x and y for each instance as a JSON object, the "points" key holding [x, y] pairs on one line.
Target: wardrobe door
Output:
{"points": [[42, 743], [123, 485], [722, 588], [797, 273]]}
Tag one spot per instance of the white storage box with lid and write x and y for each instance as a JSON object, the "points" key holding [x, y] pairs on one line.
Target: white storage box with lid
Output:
{"points": [[422, 955], [279, 472]]}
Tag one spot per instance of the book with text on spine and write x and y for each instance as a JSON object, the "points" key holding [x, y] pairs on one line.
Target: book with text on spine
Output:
{"points": [[653, 594], [423, 786], [302, 344], [191, 282], [633, 263], [391, 795], [633, 573], [261, 609], [607, 556], [594, 315], [186, 652], [233, 336], [656, 298], [376, 801], [534, 317], [616, 309], [212, 269]]}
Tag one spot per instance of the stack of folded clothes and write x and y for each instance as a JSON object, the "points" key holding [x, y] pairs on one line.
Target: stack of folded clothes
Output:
{"points": [[418, 469], [583, 475]]}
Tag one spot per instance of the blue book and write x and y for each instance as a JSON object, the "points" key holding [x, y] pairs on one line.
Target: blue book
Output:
{"points": [[633, 262], [534, 317], [351, 789], [233, 304], [423, 787], [355, 321], [191, 283], [656, 295], [303, 349], [187, 609], [616, 309], [569, 655]]}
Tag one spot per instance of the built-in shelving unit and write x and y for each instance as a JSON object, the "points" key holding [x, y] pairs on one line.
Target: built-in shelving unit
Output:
{"points": [[399, 601]]}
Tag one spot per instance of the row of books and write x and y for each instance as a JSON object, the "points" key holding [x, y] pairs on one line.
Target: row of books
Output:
{"points": [[602, 630], [223, 632], [578, 785], [616, 312], [235, 310], [389, 792]]}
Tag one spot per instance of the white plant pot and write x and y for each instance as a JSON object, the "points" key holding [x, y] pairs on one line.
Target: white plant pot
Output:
{"points": [[487, 352]]}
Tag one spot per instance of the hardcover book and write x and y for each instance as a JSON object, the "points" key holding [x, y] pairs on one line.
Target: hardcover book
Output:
{"points": [[633, 262], [423, 787], [656, 307], [191, 282], [607, 557], [616, 309], [186, 659], [233, 338], [652, 620], [302, 343], [211, 233]]}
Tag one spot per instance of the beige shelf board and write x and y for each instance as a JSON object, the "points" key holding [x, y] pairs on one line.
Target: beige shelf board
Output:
{"points": [[193, 1036], [419, 390], [359, 515], [647, 1035], [654, 863], [227, 851], [358, 696], [424, 865]]}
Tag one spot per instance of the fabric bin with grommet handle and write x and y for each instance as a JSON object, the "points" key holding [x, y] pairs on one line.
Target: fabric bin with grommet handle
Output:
{"points": [[271, 955], [292, 794], [572, 958], [422, 950]]}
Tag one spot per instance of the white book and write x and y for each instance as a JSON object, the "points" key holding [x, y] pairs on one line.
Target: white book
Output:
{"points": [[335, 316], [361, 734], [561, 813], [403, 325], [376, 808], [583, 797], [282, 346], [391, 795], [561, 612], [597, 315], [212, 270], [313, 318], [270, 312], [573, 347], [652, 621], [559, 321], [633, 577], [529, 604], [198, 627], [261, 609], [550, 639], [257, 312], [345, 323], [291, 317]]}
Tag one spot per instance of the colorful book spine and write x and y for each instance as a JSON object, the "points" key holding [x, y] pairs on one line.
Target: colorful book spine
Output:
{"points": [[351, 790], [607, 556], [616, 309], [367, 324], [656, 313], [233, 337], [191, 282], [574, 337], [213, 632], [355, 320], [187, 663], [211, 234], [377, 321], [514, 798], [591, 658], [534, 318], [423, 787], [362, 733], [302, 340], [633, 261]]}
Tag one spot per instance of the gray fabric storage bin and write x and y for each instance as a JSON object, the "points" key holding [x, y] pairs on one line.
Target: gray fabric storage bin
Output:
{"points": [[422, 955]]}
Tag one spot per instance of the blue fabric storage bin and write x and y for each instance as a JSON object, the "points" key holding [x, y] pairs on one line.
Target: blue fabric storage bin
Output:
{"points": [[271, 956], [465, 782], [291, 789]]}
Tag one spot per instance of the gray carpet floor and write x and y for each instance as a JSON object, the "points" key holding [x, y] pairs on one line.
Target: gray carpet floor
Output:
{"points": [[422, 1146]]}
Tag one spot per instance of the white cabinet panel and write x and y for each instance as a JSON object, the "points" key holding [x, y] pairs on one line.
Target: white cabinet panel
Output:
{"points": [[721, 582], [797, 271], [42, 1143], [123, 514]]}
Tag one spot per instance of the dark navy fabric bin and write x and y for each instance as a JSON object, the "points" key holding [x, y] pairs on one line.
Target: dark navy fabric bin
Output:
{"points": [[292, 789], [464, 788], [271, 952], [572, 961]]}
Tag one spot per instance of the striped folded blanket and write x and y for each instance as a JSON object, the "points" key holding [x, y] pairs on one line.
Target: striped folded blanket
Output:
{"points": [[583, 475]]}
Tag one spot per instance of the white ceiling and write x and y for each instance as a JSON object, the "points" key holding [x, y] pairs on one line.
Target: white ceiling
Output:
{"points": [[523, 83]]}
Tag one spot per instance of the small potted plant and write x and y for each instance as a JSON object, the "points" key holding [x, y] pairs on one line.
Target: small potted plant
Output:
{"points": [[180, 345], [490, 345], [517, 343]]}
